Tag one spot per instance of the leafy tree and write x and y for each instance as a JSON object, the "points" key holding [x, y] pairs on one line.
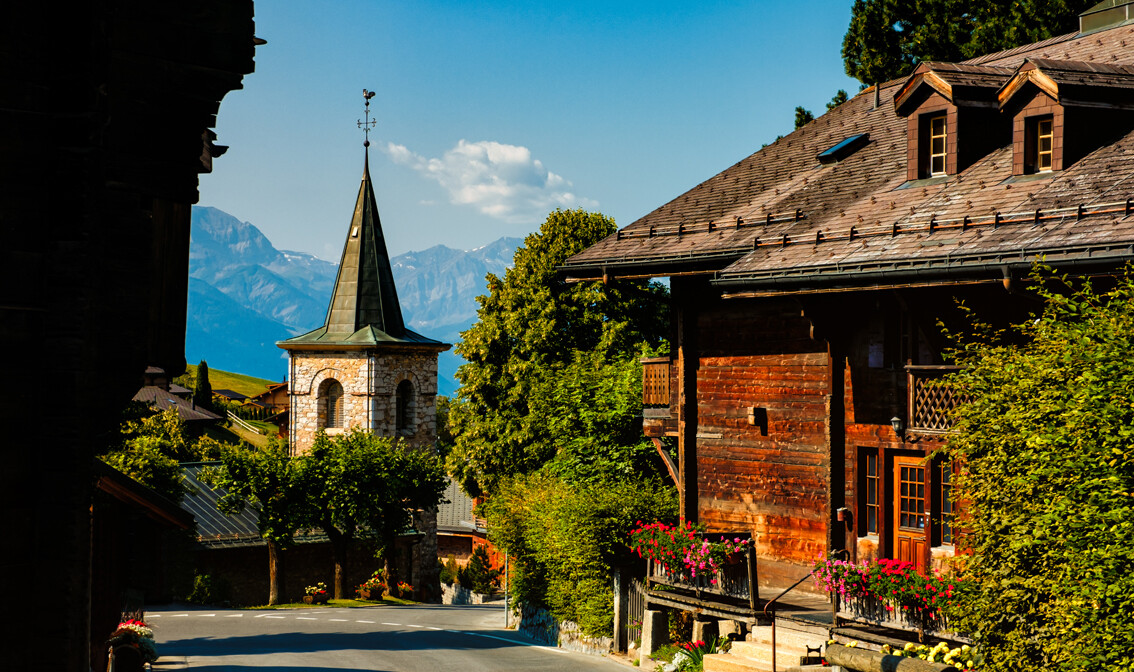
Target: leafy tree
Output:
{"points": [[361, 485], [886, 38], [803, 117], [839, 98], [149, 447], [530, 327], [565, 538], [203, 391], [272, 481], [1046, 442]]}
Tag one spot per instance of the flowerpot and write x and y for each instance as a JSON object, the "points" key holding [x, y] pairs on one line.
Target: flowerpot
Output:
{"points": [[321, 598], [309, 599]]}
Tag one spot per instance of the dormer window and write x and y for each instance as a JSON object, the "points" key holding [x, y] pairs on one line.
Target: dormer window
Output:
{"points": [[936, 145], [952, 117], [1041, 132], [1062, 111]]}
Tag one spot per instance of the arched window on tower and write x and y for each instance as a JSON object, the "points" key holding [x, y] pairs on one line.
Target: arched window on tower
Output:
{"points": [[403, 405], [331, 404]]}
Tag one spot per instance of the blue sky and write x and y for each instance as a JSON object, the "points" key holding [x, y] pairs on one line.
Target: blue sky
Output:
{"points": [[491, 114]]}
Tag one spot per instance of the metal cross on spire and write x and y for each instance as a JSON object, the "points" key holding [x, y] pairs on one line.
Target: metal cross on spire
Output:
{"points": [[369, 123]]}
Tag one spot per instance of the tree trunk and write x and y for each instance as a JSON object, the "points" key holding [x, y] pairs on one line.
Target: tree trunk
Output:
{"points": [[339, 544], [275, 572]]}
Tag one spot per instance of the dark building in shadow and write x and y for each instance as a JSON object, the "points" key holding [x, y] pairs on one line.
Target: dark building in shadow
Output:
{"points": [[107, 111]]}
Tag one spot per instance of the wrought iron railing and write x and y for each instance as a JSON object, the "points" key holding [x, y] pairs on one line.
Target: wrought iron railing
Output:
{"points": [[930, 400], [655, 381]]}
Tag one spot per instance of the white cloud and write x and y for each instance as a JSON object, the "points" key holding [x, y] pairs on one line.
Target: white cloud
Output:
{"points": [[502, 181]]}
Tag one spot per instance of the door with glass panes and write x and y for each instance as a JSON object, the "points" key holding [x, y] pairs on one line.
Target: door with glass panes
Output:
{"points": [[909, 510]]}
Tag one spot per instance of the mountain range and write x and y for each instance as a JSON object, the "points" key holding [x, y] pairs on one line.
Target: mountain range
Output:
{"points": [[244, 295]]}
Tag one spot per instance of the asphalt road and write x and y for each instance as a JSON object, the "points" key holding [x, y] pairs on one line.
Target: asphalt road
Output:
{"points": [[418, 638]]}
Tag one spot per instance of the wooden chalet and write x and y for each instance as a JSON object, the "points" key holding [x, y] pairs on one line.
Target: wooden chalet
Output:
{"points": [[808, 280]]}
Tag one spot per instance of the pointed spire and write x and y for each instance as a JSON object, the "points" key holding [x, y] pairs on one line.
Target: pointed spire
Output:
{"points": [[364, 293], [364, 310]]}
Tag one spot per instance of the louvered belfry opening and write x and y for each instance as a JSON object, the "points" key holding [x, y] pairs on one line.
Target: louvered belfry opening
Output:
{"points": [[332, 404]]}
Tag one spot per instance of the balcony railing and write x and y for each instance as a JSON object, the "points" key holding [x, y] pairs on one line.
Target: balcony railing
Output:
{"points": [[655, 381], [730, 592], [930, 402]]}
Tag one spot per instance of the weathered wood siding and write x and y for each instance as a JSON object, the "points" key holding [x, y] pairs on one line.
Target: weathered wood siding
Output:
{"points": [[770, 480]]}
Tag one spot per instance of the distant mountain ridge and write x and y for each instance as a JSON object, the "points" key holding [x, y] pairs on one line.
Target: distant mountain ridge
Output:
{"points": [[244, 294]]}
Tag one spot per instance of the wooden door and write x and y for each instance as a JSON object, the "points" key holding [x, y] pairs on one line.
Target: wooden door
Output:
{"points": [[909, 510]]}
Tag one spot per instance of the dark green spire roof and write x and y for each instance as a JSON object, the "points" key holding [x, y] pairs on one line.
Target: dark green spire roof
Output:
{"points": [[364, 306]]}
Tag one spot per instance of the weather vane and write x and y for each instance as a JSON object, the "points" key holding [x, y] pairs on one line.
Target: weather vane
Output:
{"points": [[369, 123]]}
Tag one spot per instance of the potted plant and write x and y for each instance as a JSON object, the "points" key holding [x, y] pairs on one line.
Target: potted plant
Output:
{"points": [[133, 634], [374, 587], [405, 590], [316, 594]]}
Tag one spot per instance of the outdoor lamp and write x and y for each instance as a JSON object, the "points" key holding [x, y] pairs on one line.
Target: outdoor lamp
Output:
{"points": [[896, 423]]}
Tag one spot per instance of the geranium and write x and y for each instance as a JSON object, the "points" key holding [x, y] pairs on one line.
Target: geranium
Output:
{"points": [[684, 550], [317, 589], [895, 584]]}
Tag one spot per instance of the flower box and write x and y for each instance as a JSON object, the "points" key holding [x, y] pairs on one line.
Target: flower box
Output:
{"points": [[317, 598]]}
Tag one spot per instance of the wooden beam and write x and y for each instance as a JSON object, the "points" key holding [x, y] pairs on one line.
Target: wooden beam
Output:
{"points": [[689, 361]]}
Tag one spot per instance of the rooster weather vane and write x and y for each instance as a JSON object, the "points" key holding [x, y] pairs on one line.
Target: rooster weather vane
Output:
{"points": [[369, 123]]}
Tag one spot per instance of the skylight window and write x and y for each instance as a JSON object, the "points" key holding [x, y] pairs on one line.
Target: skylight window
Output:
{"points": [[843, 149]]}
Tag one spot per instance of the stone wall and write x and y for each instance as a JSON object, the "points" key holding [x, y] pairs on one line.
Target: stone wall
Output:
{"points": [[541, 626], [370, 381]]}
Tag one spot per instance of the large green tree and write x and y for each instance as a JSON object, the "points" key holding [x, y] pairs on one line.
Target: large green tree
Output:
{"points": [[272, 481], [535, 332], [886, 38], [362, 485], [1046, 441]]}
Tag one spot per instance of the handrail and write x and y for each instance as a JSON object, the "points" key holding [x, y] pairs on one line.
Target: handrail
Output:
{"points": [[775, 599]]}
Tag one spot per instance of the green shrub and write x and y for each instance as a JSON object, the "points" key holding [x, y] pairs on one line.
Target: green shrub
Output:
{"points": [[449, 569], [202, 592], [1046, 442], [565, 537], [479, 576]]}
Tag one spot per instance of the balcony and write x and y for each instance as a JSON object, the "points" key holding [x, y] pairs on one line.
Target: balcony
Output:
{"points": [[658, 416], [930, 402]]}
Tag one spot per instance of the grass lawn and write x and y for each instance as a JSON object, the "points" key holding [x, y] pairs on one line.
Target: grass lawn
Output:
{"points": [[225, 380], [385, 601]]}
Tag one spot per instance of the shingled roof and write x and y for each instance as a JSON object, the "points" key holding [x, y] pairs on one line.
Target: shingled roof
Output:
{"points": [[780, 219]]}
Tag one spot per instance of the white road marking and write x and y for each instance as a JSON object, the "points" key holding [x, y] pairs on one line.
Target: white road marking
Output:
{"points": [[416, 626], [259, 615], [394, 624], [338, 620], [430, 627], [305, 618], [155, 615], [275, 617], [179, 615], [371, 622], [206, 615], [235, 616]]}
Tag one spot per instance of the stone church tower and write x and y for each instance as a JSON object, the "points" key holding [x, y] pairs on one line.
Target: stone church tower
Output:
{"points": [[364, 369]]}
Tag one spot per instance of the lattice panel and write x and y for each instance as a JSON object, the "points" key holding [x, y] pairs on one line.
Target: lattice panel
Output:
{"points": [[655, 383], [932, 401]]}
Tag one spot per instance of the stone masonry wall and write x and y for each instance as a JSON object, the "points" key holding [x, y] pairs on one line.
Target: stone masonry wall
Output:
{"points": [[370, 381]]}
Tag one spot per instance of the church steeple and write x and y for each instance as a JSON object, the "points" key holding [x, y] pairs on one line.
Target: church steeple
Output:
{"points": [[364, 309], [364, 293]]}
